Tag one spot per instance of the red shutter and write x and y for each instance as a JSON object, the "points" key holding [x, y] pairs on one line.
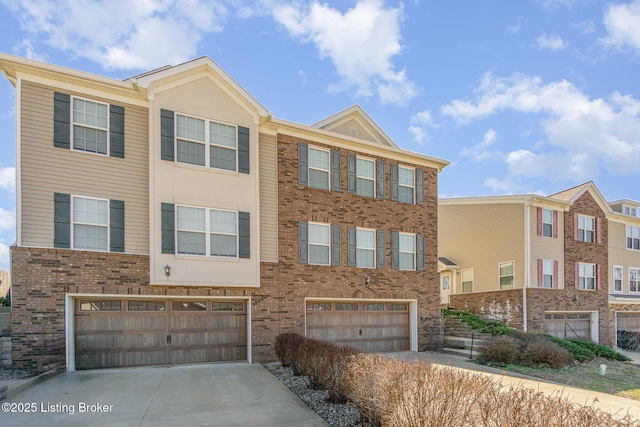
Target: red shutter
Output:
{"points": [[539, 221], [598, 276], [577, 276], [540, 275], [575, 226], [599, 230], [555, 274], [555, 224]]}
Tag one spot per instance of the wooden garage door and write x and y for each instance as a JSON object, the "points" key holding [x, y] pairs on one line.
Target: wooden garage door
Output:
{"points": [[113, 333], [367, 326], [568, 325], [629, 321]]}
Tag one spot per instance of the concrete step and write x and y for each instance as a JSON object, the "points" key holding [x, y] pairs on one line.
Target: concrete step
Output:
{"points": [[463, 342], [459, 352]]}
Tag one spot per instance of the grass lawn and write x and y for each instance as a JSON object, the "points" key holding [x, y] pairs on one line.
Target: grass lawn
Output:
{"points": [[620, 376]]}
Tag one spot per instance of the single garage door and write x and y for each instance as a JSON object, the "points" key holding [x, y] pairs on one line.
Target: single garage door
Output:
{"points": [[568, 325], [114, 332], [367, 326], [628, 321]]}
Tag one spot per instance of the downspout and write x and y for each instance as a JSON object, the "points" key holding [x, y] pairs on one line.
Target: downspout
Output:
{"points": [[527, 262]]}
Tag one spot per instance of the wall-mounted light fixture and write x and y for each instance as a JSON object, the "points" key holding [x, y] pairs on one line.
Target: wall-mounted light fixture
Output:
{"points": [[366, 280], [167, 270], [575, 297]]}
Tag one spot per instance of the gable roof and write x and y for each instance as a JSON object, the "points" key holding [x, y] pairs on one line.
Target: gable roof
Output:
{"points": [[572, 194], [355, 112]]}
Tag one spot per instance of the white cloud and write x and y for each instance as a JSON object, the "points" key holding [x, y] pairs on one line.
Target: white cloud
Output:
{"points": [[360, 42], [7, 219], [419, 125], [550, 42], [584, 27], [623, 25], [120, 34], [8, 178], [582, 134], [479, 151]]}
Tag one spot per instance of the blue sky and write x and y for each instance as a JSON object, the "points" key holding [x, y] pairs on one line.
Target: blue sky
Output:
{"points": [[521, 96]]}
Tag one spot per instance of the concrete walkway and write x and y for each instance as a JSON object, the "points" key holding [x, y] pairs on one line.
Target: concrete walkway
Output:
{"points": [[604, 401], [227, 394]]}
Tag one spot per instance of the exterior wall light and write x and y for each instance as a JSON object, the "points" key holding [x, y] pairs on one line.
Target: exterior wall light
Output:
{"points": [[366, 280], [167, 270]]}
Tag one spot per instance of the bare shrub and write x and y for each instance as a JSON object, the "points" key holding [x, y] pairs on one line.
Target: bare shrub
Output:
{"points": [[285, 346], [501, 350], [365, 386], [525, 349], [541, 352]]}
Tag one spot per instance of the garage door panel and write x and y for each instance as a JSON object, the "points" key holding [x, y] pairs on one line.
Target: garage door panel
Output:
{"points": [[568, 325], [628, 321]]}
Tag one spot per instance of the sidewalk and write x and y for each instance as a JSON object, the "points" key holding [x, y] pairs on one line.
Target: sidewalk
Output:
{"points": [[604, 401]]}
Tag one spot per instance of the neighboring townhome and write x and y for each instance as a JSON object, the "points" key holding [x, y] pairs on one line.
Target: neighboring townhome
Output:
{"points": [[537, 263], [624, 267], [170, 218]]}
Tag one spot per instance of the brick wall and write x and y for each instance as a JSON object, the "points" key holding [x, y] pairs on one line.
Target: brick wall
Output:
{"points": [[505, 306]]}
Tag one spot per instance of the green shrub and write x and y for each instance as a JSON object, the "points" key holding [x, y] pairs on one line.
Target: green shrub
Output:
{"points": [[492, 327], [601, 350], [5, 302], [580, 353]]}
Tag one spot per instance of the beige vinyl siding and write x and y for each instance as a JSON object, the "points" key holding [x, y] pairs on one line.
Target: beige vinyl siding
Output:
{"points": [[547, 248], [345, 129], [620, 255], [46, 170], [268, 198], [480, 236]]}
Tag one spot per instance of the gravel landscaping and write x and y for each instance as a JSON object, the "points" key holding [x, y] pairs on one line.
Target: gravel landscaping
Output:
{"points": [[336, 415], [14, 374]]}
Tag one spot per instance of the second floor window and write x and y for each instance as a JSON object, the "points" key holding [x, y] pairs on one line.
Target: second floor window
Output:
{"points": [[547, 274], [634, 280], [507, 276], [90, 125], [467, 280], [407, 251], [586, 276], [318, 168], [195, 224], [406, 184], [206, 143], [319, 244], [633, 237], [586, 229], [90, 223], [365, 177], [365, 248], [617, 278], [547, 223]]}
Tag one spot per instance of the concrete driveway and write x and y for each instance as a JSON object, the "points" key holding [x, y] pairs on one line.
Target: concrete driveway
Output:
{"points": [[226, 394]]}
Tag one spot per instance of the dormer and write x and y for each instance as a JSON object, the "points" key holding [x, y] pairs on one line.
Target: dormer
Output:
{"points": [[626, 207]]}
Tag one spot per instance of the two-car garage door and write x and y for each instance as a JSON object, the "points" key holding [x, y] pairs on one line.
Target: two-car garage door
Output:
{"points": [[122, 332]]}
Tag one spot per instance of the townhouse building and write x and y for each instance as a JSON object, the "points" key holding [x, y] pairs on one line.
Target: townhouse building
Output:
{"points": [[171, 218], [537, 263]]}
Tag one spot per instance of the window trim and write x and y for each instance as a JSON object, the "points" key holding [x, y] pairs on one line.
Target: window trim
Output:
{"points": [[585, 230], [413, 187], [328, 245], [553, 279], [595, 278], [73, 123], [373, 180], [207, 142], [637, 271], [613, 278], [207, 232], [358, 247], [72, 223], [414, 253], [500, 276], [462, 282], [309, 167]]}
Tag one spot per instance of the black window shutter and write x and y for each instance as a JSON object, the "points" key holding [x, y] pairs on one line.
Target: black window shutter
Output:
{"points": [[335, 171], [351, 247], [381, 179], [303, 242], [244, 235], [61, 220], [116, 131], [420, 187], [381, 249], [420, 252], [395, 250], [394, 182], [336, 241], [243, 149], [167, 136], [116, 225], [61, 120], [303, 164], [351, 173], [168, 229]]}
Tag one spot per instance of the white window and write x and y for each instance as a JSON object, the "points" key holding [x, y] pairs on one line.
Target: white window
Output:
{"points": [[586, 229], [467, 280], [547, 274], [547, 223], [365, 248], [617, 278], [507, 273], [90, 223], [90, 125], [318, 168], [406, 184], [629, 211], [633, 237], [407, 251], [193, 143], [365, 177], [634, 280], [195, 224], [319, 243], [586, 276]]}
